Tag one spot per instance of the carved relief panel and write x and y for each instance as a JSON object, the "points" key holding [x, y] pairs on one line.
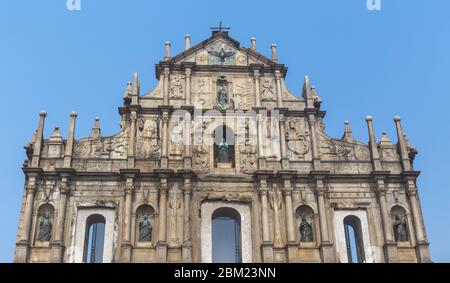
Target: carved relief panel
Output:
{"points": [[201, 92], [176, 87], [177, 130], [332, 149], [298, 138], [242, 96], [248, 146], [119, 144], [220, 53], [201, 58], [241, 59], [389, 153], [271, 138], [200, 151], [114, 147], [268, 89], [148, 141]]}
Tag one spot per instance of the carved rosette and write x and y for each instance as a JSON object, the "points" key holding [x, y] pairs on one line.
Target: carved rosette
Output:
{"points": [[362, 152]]}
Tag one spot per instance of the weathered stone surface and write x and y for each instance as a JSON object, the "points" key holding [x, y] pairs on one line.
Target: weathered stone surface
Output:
{"points": [[281, 168]]}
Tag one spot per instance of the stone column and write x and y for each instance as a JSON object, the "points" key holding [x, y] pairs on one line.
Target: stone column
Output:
{"points": [[31, 189], [23, 245], [132, 144], [126, 241], [166, 86], [315, 142], [162, 241], [174, 205], [267, 247], [390, 247], [187, 244], [165, 139], [403, 148], [274, 53], [290, 226], [275, 201], [187, 39], [38, 141], [422, 245], [289, 211], [167, 51], [279, 89], [253, 41], [58, 243], [187, 140], [326, 245], [256, 78], [70, 140], [188, 73], [373, 145], [284, 157], [261, 155]]}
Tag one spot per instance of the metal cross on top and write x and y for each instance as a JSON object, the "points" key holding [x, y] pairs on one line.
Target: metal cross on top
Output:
{"points": [[220, 28]]}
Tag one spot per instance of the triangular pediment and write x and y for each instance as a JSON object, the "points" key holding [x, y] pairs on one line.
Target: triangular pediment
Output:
{"points": [[220, 49]]}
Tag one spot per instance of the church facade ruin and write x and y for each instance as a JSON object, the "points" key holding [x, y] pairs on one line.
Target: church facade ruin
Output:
{"points": [[220, 146]]}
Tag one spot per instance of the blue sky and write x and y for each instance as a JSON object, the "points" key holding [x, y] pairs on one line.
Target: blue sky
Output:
{"points": [[382, 63]]}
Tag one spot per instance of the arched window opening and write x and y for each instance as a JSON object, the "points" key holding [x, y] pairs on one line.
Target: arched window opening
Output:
{"points": [[400, 224], [226, 236], [354, 239], [45, 222], [305, 220], [145, 223], [94, 239], [224, 147]]}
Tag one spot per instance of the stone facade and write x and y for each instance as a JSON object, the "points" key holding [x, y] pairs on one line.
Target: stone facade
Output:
{"points": [[284, 169]]}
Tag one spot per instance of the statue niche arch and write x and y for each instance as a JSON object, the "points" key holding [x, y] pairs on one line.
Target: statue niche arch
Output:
{"points": [[224, 147], [223, 94], [400, 223], [145, 225], [45, 218], [306, 224]]}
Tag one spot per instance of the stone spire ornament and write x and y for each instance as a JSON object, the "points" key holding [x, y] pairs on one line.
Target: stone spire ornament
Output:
{"points": [[96, 132], [385, 140], [348, 137], [187, 39], [56, 135]]}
